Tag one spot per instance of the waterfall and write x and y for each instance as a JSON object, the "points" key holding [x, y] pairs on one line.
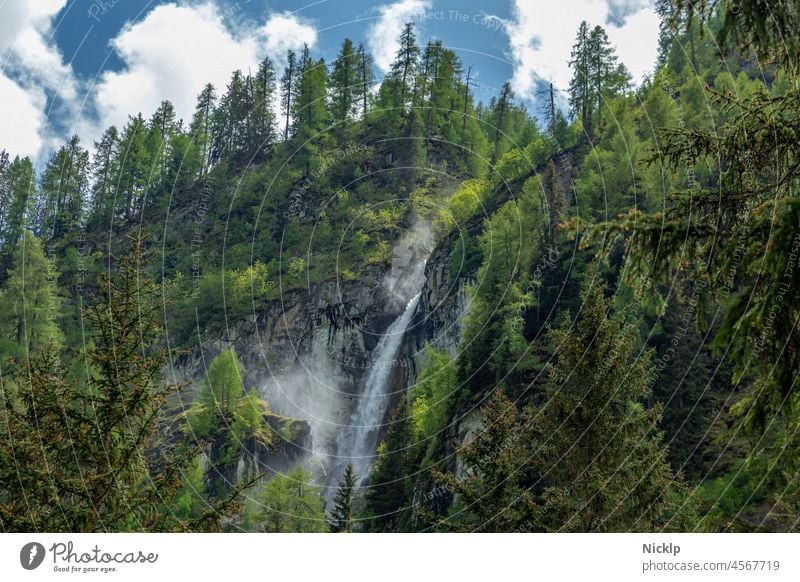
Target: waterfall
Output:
{"points": [[357, 442]]}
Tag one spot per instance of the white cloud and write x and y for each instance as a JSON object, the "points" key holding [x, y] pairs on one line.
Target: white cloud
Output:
{"points": [[382, 36], [285, 32], [22, 124], [637, 42], [176, 49], [541, 36], [31, 66]]}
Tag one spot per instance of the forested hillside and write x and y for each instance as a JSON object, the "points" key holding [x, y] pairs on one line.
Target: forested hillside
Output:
{"points": [[332, 302]]}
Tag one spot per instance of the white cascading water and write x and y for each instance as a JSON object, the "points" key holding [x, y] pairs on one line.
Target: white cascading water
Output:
{"points": [[358, 441]]}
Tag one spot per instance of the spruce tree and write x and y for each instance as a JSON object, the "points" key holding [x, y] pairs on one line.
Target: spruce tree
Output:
{"points": [[261, 136], [580, 96], [85, 455], [344, 84], [341, 517], [490, 493], [386, 495], [600, 448]]}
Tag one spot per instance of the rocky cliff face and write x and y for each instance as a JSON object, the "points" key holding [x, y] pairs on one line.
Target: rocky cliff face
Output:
{"points": [[306, 353]]}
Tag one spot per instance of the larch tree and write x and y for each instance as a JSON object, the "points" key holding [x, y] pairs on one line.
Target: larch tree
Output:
{"points": [[29, 301], [18, 187]]}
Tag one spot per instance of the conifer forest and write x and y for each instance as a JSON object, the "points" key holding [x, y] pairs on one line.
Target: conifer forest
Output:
{"points": [[347, 296]]}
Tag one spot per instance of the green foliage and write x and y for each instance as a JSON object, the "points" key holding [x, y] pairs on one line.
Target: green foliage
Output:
{"points": [[603, 456], [290, 504], [17, 181], [430, 398], [490, 495], [597, 76], [465, 203], [85, 456], [385, 501], [342, 514], [29, 302]]}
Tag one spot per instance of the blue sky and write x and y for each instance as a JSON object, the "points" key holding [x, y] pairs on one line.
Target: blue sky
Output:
{"points": [[76, 66]]}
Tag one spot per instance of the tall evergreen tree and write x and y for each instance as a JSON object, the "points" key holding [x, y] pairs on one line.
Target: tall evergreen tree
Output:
{"points": [[580, 95], [341, 517], [18, 183], [344, 88], [63, 190], [104, 174], [132, 163], [491, 494], [608, 77], [200, 129], [364, 77], [29, 301], [404, 68], [82, 456], [288, 84], [386, 495], [501, 118], [262, 129], [600, 447], [597, 75]]}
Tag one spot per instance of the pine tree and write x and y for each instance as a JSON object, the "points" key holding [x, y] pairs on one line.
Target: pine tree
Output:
{"points": [[386, 495], [29, 302], [341, 517]]}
